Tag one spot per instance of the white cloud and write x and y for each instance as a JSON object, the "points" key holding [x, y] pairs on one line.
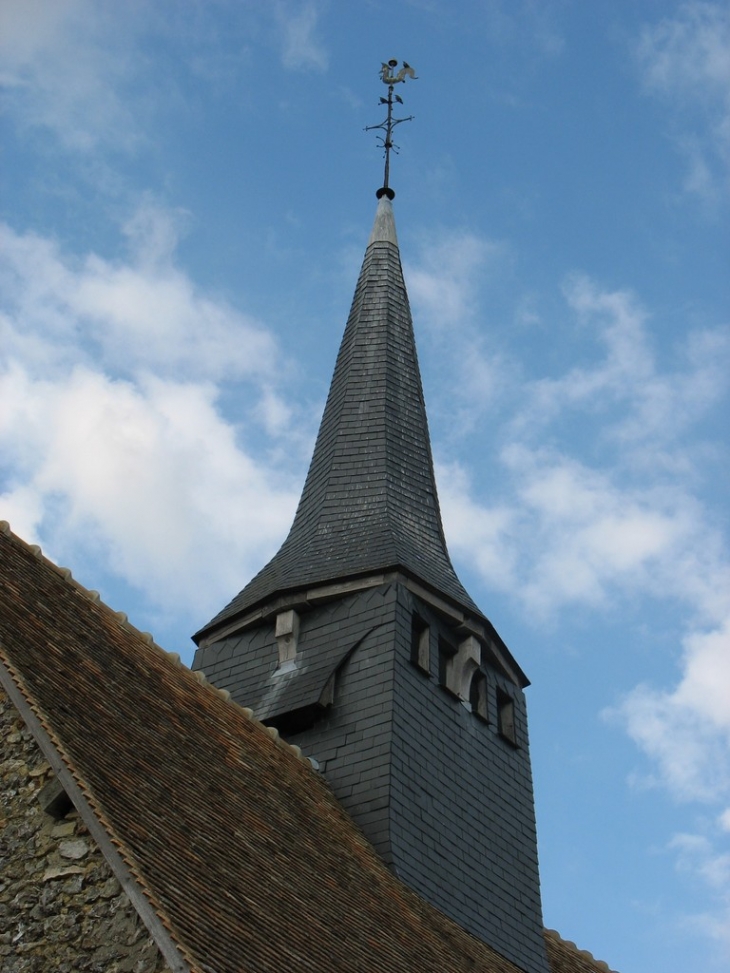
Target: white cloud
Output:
{"points": [[150, 472], [573, 535], [700, 858], [698, 854], [111, 436], [655, 407], [686, 730], [686, 60], [444, 282], [89, 74], [687, 54], [301, 48], [484, 535], [142, 313], [571, 526]]}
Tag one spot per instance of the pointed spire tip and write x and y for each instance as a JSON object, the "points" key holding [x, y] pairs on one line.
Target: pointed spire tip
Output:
{"points": [[384, 225]]}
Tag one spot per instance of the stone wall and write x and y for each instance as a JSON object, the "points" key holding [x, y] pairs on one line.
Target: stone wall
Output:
{"points": [[61, 908]]}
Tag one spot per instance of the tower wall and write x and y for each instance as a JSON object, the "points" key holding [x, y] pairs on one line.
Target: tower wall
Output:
{"points": [[352, 741], [340, 688], [436, 785], [462, 812]]}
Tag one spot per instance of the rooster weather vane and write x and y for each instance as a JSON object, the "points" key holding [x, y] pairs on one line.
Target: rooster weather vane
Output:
{"points": [[389, 77]]}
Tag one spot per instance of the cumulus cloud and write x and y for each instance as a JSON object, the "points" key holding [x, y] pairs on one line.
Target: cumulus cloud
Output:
{"points": [[577, 536], [699, 858], [443, 282], [147, 471], [686, 729], [685, 60], [140, 313], [486, 536], [642, 408], [85, 72], [111, 432]]}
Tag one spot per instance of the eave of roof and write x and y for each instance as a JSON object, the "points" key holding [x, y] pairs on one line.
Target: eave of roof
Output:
{"points": [[565, 957]]}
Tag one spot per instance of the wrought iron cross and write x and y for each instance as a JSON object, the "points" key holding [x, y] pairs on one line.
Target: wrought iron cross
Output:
{"points": [[389, 77]]}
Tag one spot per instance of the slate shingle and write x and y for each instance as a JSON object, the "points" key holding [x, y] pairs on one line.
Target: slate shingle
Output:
{"points": [[369, 501]]}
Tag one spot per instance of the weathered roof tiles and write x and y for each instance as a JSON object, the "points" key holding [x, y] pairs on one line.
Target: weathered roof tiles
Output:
{"points": [[245, 859]]}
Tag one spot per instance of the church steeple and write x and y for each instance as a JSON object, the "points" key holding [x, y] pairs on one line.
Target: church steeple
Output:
{"points": [[369, 502], [358, 642]]}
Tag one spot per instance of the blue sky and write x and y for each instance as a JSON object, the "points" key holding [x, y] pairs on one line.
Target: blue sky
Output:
{"points": [[187, 191]]}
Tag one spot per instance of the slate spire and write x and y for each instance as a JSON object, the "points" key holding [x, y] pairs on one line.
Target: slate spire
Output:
{"points": [[369, 501], [358, 643]]}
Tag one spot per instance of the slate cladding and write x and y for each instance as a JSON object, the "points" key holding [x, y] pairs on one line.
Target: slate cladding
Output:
{"points": [[246, 663], [369, 500], [444, 797]]}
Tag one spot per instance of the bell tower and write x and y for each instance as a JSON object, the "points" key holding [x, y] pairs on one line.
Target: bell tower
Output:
{"points": [[358, 642]]}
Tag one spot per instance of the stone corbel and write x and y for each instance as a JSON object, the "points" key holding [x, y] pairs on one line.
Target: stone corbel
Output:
{"points": [[287, 635]]}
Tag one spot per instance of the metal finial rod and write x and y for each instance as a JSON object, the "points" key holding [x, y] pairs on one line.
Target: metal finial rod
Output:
{"points": [[388, 124]]}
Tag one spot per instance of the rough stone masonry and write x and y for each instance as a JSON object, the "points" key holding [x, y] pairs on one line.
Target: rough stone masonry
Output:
{"points": [[61, 908]]}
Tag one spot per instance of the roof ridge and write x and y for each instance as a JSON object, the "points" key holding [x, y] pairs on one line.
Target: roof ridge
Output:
{"points": [[123, 621], [586, 954]]}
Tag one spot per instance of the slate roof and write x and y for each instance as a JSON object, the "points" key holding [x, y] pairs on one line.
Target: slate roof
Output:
{"points": [[369, 501], [238, 850]]}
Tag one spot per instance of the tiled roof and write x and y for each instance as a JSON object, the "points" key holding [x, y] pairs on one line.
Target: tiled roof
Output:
{"points": [[565, 957], [369, 502], [245, 857]]}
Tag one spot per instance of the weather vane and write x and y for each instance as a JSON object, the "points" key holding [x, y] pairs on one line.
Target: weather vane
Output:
{"points": [[389, 77]]}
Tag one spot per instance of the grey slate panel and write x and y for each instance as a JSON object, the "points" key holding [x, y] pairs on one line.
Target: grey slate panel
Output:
{"points": [[462, 824], [369, 501], [445, 801], [246, 664]]}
